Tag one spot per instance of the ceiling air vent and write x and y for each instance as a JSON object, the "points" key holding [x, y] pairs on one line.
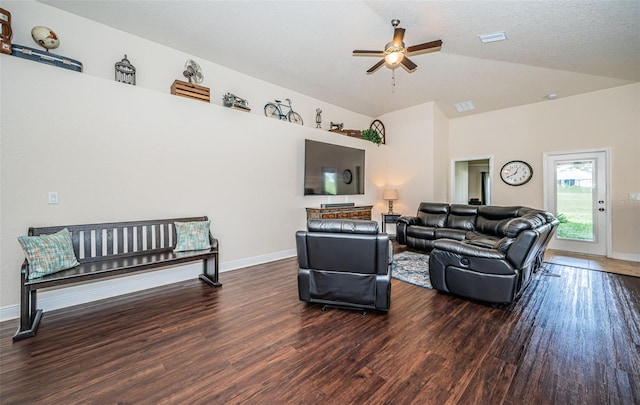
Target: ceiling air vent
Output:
{"points": [[464, 106], [493, 37]]}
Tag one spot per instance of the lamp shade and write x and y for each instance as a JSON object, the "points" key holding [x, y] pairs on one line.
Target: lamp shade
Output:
{"points": [[390, 194]]}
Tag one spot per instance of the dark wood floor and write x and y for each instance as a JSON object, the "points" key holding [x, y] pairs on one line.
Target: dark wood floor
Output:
{"points": [[572, 339]]}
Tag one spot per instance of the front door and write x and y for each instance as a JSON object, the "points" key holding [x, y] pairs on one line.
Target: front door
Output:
{"points": [[576, 192]]}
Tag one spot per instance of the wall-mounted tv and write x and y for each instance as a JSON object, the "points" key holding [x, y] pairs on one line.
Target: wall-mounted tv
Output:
{"points": [[332, 169]]}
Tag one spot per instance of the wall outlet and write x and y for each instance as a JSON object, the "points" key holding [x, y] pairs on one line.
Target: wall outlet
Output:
{"points": [[634, 196], [53, 197]]}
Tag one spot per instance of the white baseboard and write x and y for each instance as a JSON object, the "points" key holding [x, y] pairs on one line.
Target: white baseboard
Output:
{"points": [[51, 299], [625, 256], [252, 261]]}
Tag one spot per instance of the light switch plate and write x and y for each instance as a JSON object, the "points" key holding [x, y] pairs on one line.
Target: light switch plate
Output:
{"points": [[53, 197], [634, 196]]}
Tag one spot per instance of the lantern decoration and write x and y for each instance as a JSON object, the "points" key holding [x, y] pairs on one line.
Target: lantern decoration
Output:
{"points": [[125, 72]]}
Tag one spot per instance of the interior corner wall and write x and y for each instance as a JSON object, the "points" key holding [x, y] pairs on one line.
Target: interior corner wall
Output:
{"points": [[411, 139], [116, 152], [601, 119], [440, 155]]}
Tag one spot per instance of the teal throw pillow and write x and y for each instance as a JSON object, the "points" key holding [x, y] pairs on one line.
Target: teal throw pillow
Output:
{"points": [[48, 254], [192, 236]]}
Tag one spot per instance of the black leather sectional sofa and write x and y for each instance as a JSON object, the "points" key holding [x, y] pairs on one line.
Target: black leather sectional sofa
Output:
{"points": [[486, 253]]}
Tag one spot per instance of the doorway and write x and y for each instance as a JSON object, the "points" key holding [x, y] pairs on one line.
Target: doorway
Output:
{"points": [[471, 181], [576, 192]]}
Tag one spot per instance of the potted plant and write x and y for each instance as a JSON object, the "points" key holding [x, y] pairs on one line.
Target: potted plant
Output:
{"points": [[371, 135]]}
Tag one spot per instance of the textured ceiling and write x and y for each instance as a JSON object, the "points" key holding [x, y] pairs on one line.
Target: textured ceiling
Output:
{"points": [[558, 47]]}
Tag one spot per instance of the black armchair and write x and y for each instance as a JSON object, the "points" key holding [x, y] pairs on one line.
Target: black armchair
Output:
{"points": [[344, 263]]}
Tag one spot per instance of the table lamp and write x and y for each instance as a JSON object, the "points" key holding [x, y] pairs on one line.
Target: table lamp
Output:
{"points": [[390, 194]]}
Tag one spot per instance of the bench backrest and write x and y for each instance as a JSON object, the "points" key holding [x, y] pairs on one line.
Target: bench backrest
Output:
{"points": [[93, 242]]}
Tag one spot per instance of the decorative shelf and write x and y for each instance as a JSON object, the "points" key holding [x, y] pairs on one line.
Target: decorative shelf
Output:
{"points": [[354, 133]]}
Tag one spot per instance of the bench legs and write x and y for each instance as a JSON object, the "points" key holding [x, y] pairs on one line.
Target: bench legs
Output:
{"points": [[30, 315], [207, 276]]}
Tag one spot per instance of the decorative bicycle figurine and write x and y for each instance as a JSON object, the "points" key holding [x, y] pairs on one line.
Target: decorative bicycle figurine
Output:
{"points": [[273, 110]]}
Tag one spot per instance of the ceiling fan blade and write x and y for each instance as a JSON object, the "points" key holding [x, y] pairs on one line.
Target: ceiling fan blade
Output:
{"points": [[408, 65], [432, 46], [375, 67], [358, 52], [398, 36]]}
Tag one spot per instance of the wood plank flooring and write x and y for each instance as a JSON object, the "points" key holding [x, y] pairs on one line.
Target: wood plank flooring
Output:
{"points": [[572, 339], [591, 262]]}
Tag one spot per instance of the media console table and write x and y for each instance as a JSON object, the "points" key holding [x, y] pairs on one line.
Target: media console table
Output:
{"points": [[361, 212]]}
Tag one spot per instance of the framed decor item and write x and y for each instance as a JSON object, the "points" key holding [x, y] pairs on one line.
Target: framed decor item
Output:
{"points": [[516, 173], [378, 126]]}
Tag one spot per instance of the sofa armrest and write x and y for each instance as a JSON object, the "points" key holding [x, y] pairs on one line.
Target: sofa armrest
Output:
{"points": [[521, 252], [408, 220], [385, 253], [401, 228], [301, 247], [461, 255], [485, 279], [465, 249]]}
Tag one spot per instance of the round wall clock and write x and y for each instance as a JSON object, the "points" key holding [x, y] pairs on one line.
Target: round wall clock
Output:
{"points": [[516, 173], [347, 176]]}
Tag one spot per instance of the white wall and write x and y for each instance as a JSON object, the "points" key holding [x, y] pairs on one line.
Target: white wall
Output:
{"points": [[410, 154], [606, 118], [116, 152], [440, 155], [417, 154]]}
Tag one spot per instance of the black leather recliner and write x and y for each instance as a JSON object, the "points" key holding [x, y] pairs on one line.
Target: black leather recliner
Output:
{"points": [[487, 253], [344, 263]]}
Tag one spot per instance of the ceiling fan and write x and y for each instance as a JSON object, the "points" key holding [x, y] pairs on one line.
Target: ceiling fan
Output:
{"points": [[395, 54]]}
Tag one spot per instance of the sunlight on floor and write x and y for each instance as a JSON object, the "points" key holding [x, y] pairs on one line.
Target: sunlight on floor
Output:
{"points": [[589, 262]]}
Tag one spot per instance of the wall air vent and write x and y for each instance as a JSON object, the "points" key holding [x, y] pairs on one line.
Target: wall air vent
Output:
{"points": [[493, 37], [464, 106]]}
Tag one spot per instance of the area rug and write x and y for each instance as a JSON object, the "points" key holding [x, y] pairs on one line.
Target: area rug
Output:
{"points": [[411, 268]]}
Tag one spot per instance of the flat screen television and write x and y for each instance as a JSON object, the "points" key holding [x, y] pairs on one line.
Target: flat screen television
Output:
{"points": [[332, 169]]}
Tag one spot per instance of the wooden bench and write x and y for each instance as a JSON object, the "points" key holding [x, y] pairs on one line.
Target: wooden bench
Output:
{"points": [[110, 250]]}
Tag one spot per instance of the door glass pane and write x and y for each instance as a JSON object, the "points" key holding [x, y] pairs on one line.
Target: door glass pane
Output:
{"points": [[574, 199], [330, 181]]}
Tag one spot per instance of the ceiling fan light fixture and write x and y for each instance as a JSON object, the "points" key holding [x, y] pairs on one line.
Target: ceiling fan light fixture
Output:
{"points": [[394, 58], [396, 54], [393, 55]]}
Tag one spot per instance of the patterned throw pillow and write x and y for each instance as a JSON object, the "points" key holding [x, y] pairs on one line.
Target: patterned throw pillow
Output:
{"points": [[48, 254], [192, 236]]}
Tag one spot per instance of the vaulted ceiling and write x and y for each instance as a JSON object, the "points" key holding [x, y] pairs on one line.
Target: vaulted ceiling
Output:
{"points": [[552, 47]]}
